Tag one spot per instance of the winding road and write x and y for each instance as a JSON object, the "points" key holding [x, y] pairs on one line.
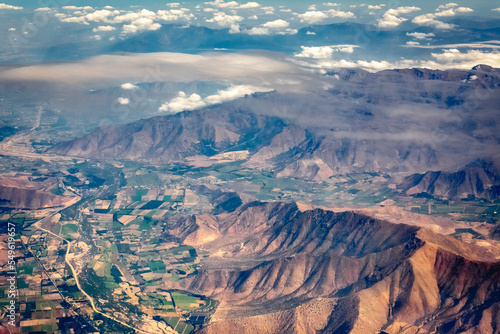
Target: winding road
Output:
{"points": [[91, 300]]}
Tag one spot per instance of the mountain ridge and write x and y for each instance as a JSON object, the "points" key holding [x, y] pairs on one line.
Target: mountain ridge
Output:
{"points": [[271, 260], [356, 127]]}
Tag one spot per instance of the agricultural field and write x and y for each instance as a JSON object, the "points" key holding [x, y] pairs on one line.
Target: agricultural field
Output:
{"points": [[116, 236], [42, 305], [132, 255]]}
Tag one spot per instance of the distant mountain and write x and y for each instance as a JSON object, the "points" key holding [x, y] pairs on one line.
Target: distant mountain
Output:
{"points": [[288, 150], [480, 179], [276, 268], [408, 120], [196, 39], [165, 139]]}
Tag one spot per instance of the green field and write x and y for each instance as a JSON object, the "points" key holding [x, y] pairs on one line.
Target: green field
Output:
{"points": [[69, 228], [183, 301], [157, 266], [156, 300], [144, 180], [180, 326], [26, 269]]}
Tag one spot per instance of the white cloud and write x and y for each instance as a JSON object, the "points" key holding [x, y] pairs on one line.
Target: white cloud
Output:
{"points": [[249, 5], [258, 31], [104, 28], [446, 11], [140, 25], [313, 16], [234, 92], [5, 6], [253, 17], [287, 32], [259, 69], [448, 5], [453, 58], [132, 16], [103, 15], [347, 48], [366, 65], [224, 20], [412, 43], [276, 24], [429, 20], [128, 86], [453, 11], [134, 21], [496, 9], [420, 35], [448, 59], [194, 101], [374, 7], [74, 19], [233, 4], [43, 9], [78, 8], [324, 51], [12, 29], [476, 45], [234, 29], [392, 18], [278, 27], [123, 100], [310, 33], [173, 4], [183, 102], [222, 4], [332, 4], [137, 21], [339, 13], [174, 15], [312, 7]]}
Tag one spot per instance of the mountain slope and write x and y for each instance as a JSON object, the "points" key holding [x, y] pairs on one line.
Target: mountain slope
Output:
{"points": [[23, 194], [276, 268], [165, 139], [480, 179], [411, 121]]}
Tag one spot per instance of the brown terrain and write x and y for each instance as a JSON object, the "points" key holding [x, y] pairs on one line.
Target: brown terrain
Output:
{"points": [[281, 268], [480, 179], [22, 194]]}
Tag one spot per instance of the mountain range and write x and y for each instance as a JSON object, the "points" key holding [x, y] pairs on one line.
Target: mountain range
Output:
{"points": [[282, 268], [411, 121]]}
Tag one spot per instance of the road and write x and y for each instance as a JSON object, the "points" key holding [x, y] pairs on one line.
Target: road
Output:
{"points": [[73, 271]]}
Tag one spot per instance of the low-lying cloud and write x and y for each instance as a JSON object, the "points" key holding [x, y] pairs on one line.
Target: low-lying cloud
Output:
{"points": [[194, 101], [324, 51], [260, 69]]}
